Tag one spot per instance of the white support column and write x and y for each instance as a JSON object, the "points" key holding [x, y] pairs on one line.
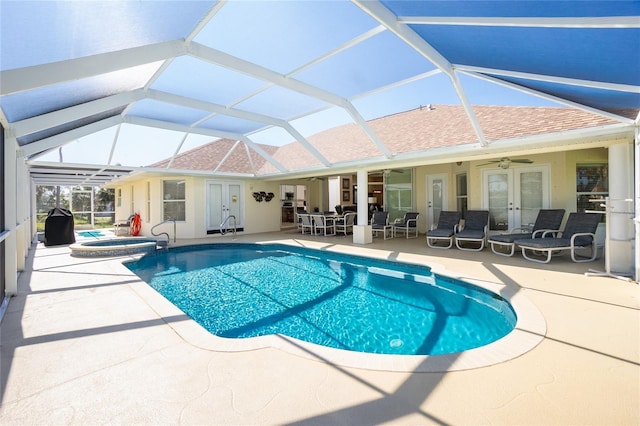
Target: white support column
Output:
{"points": [[23, 226], [10, 199], [621, 223], [636, 219], [33, 227], [362, 233]]}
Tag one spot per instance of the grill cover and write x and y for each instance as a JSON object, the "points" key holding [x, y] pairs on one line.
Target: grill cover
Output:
{"points": [[58, 227]]}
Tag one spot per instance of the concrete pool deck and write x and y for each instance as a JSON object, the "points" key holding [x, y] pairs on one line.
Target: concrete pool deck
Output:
{"points": [[83, 343]]}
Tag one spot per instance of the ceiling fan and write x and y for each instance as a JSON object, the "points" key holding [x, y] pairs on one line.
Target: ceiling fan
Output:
{"points": [[505, 162]]}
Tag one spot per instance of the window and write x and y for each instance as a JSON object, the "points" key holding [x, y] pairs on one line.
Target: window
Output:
{"points": [[103, 210], [119, 197], [48, 197], [82, 205], [461, 193], [399, 193], [592, 183], [173, 200]]}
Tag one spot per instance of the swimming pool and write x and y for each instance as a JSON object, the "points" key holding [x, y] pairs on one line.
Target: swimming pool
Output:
{"points": [[331, 299]]}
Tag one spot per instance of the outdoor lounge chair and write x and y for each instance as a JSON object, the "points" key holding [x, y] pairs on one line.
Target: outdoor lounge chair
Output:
{"points": [[547, 220], [123, 226], [408, 224], [345, 224], [476, 224], [448, 224], [579, 233], [380, 223]]}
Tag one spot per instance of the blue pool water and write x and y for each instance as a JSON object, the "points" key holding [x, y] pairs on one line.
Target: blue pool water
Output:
{"points": [[341, 301], [90, 234], [119, 242]]}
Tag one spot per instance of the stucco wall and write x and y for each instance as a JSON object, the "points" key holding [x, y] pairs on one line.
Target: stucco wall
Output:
{"points": [[266, 217], [258, 217]]}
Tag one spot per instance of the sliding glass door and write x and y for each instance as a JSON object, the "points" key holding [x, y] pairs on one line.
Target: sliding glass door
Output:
{"points": [[399, 193], [224, 199], [515, 195]]}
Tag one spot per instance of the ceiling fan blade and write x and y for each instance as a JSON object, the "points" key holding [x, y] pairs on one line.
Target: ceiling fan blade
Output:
{"points": [[504, 162]]}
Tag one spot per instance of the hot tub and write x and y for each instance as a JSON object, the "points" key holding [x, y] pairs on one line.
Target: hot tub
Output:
{"points": [[114, 247]]}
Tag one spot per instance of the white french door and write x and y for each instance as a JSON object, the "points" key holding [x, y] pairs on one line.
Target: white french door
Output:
{"points": [[437, 200], [515, 195], [224, 199]]}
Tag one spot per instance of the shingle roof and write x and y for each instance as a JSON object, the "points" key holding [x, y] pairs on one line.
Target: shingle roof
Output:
{"points": [[416, 130], [210, 156]]}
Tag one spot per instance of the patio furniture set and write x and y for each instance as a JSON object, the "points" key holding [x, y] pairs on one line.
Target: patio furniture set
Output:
{"points": [[538, 243], [332, 224], [325, 224]]}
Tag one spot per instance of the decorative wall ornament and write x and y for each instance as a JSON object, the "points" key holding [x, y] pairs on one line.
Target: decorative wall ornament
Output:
{"points": [[263, 196]]}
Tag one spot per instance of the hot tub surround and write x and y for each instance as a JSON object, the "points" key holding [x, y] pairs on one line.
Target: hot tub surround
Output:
{"points": [[114, 247]]}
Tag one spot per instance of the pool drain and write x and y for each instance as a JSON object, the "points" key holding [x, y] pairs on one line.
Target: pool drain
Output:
{"points": [[396, 343]]}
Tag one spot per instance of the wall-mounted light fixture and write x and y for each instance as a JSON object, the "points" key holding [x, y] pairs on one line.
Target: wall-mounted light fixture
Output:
{"points": [[260, 196]]}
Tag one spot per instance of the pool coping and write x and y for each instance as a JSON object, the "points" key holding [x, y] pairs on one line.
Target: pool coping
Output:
{"points": [[529, 331]]}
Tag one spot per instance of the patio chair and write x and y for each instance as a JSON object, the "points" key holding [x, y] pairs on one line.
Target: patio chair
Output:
{"points": [[123, 226], [476, 224], [380, 223], [547, 220], [408, 224], [579, 233], [448, 224], [345, 224], [323, 223], [306, 224]]}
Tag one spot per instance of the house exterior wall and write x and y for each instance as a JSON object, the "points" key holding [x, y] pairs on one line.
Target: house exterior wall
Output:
{"points": [[562, 190], [258, 217], [266, 217], [262, 217]]}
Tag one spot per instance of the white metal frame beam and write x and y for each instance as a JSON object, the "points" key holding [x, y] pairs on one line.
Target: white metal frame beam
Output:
{"points": [[531, 22], [552, 98], [29, 78], [551, 79], [256, 71], [236, 113], [383, 15], [210, 132], [64, 138], [60, 117]]}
